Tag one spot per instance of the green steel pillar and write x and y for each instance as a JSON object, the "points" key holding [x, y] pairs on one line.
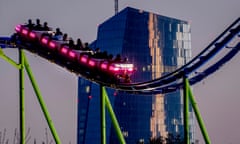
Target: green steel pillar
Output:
{"points": [[41, 102], [186, 111], [22, 98], [103, 116], [113, 117], [19, 66], [197, 113], [23, 63]]}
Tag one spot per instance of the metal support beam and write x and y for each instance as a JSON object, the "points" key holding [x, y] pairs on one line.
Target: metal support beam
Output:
{"points": [[9, 60], [41, 101], [186, 112], [113, 117], [103, 116], [22, 99], [197, 113], [23, 63]]}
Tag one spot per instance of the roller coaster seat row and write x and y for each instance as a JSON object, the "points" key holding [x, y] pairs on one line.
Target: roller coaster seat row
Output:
{"points": [[55, 46]]}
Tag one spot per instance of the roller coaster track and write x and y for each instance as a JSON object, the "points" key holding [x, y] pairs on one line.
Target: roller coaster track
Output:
{"points": [[209, 60], [225, 46]]}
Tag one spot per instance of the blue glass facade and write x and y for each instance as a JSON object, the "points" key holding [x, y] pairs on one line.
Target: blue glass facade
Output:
{"points": [[156, 45]]}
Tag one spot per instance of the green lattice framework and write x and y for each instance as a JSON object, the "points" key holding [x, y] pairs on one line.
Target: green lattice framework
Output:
{"points": [[104, 102]]}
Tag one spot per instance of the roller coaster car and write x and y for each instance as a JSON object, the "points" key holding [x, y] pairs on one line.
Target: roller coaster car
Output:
{"points": [[101, 68]]}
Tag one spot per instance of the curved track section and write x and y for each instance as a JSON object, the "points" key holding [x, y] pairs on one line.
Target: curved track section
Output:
{"points": [[224, 47], [212, 58]]}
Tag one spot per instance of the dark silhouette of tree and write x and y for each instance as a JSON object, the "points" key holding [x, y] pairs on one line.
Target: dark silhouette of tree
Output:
{"points": [[28, 136], [3, 139], [16, 137], [158, 140], [170, 139]]}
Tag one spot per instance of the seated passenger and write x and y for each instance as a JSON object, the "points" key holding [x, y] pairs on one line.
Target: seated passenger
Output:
{"points": [[38, 26], [105, 55], [65, 41], [97, 53], [58, 34], [118, 58], [88, 49], [65, 37], [71, 43], [45, 27], [86, 46], [79, 45], [30, 25]]}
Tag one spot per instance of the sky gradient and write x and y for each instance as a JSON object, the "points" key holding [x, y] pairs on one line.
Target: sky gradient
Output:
{"points": [[217, 96]]}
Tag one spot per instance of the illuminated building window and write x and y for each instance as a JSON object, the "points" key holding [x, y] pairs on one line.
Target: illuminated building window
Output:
{"points": [[87, 89], [143, 69], [125, 133]]}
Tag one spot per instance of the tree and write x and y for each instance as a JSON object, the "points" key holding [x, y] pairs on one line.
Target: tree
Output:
{"points": [[170, 139], [158, 140]]}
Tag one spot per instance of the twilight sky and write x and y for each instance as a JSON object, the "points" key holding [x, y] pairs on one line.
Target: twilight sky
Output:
{"points": [[217, 96]]}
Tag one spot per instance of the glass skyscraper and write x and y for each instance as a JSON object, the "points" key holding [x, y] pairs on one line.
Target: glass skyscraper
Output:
{"points": [[156, 45]]}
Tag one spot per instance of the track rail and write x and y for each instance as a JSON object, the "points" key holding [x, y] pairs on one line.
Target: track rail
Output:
{"points": [[224, 47]]}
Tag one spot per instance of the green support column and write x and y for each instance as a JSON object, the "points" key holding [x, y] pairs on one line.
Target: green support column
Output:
{"points": [[41, 102], [113, 117], [22, 99], [197, 114], [186, 112], [103, 116]]}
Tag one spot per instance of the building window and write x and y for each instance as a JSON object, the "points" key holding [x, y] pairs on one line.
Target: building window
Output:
{"points": [[87, 89], [125, 133], [186, 28], [170, 27], [143, 69], [179, 35]]}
